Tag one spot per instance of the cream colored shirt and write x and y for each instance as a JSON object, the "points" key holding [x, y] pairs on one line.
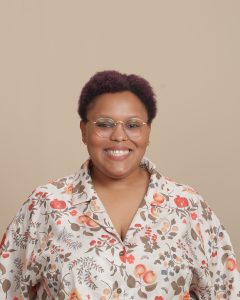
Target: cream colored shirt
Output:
{"points": [[63, 245]]}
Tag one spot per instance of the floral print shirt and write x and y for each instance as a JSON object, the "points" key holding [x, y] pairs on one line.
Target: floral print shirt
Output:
{"points": [[63, 245]]}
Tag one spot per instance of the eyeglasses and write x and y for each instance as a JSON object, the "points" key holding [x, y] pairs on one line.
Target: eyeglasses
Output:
{"points": [[104, 127]]}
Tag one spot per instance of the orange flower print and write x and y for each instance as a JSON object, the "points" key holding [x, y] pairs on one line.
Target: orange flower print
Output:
{"points": [[51, 181], [69, 189], [181, 202], [58, 204], [139, 270], [190, 190], [94, 206], [73, 212], [92, 223], [106, 291], [42, 194], [126, 258], [158, 199], [5, 255], [105, 236], [74, 295], [112, 241], [158, 298], [38, 194], [231, 264], [154, 237], [214, 253], [130, 259], [92, 243], [193, 216], [84, 219], [154, 212], [149, 277], [30, 207], [186, 296], [123, 257], [138, 225], [221, 296]]}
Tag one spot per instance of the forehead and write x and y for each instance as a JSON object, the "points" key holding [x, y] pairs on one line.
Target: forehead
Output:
{"points": [[117, 105]]}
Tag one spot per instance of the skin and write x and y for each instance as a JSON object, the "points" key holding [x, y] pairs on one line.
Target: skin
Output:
{"points": [[119, 106]]}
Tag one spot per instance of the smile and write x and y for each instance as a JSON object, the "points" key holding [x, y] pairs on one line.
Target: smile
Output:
{"points": [[117, 153]]}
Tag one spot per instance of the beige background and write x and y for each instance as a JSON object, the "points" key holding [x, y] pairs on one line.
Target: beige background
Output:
{"points": [[188, 50]]}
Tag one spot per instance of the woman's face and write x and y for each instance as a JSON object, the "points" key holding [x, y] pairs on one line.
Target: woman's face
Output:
{"points": [[117, 156]]}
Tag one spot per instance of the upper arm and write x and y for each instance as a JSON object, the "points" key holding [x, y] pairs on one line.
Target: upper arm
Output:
{"points": [[19, 251], [220, 257]]}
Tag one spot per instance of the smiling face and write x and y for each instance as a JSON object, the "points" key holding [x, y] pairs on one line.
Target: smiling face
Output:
{"points": [[117, 156]]}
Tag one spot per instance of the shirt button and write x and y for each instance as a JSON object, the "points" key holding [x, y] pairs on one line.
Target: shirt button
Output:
{"points": [[121, 253], [119, 291]]}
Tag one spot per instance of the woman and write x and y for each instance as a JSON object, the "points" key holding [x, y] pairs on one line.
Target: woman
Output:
{"points": [[117, 229]]}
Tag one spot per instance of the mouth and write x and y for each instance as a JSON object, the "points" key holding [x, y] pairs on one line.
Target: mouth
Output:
{"points": [[118, 154]]}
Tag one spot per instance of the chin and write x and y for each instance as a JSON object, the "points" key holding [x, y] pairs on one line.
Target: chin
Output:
{"points": [[116, 169], [117, 174]]}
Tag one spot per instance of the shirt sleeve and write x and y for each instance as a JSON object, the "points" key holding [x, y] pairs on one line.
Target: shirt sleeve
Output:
{"points": [[219, 260], [20, 266]]}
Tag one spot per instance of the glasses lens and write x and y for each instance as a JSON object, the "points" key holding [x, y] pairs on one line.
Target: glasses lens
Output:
{"points": [[104, 126], [134, 127]]}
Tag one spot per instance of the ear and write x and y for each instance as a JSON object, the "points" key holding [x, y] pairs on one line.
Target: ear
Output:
{"points": [[84, 131]]}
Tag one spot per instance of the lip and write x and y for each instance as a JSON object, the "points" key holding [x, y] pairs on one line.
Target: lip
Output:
{"points": [[114, 148], [118, 158]]}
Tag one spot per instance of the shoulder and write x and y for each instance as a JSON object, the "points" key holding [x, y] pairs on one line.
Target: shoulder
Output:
{"points": [[57, 186], [179, 195], [55, 194], [185, 200]]}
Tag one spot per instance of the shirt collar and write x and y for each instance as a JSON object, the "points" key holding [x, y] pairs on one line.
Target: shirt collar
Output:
{"points": [[82, 186]]}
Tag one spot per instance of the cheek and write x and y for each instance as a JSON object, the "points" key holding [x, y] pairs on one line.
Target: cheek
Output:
{"points": [[94, 142], [91, 138], [143, 141]]}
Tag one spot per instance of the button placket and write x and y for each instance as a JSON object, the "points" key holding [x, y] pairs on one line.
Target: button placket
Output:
{"points": [[122, 274]]}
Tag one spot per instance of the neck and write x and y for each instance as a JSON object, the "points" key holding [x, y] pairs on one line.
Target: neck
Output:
{"points": [[135, 178]]}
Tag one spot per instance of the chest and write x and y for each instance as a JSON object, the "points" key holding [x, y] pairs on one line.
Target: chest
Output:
{"points": [[122, 206], [94, 254]]}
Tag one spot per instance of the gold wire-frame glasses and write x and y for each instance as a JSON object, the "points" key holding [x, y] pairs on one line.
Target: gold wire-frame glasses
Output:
{"points": [[104, 127]]}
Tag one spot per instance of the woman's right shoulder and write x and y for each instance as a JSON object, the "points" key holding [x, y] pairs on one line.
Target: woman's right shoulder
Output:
{"points": [[54, 195]]}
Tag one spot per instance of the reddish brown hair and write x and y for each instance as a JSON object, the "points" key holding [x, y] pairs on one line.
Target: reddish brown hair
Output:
{"points": [[113, 82]]}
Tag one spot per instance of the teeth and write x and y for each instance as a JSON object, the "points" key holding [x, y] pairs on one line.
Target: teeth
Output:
{"points": [[117, 152]]}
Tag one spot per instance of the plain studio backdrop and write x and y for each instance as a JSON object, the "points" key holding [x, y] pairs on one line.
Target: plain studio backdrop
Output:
{"points": [[188, 50]]}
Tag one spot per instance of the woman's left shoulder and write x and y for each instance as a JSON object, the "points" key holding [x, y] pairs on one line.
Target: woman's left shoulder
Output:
{"points": [[180, 195]]}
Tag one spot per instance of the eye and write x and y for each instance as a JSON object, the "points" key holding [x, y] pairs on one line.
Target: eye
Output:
{"points": [[133, 124], [104, 123]]}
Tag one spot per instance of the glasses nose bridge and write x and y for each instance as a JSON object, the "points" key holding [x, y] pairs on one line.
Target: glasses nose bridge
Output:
{"points": [[123, 127], [119, 122]]}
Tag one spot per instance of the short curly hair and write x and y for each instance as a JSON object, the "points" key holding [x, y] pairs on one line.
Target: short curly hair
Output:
{"points": [[113, 82]]}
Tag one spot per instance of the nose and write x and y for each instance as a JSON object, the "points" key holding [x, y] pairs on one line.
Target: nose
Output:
{"points": [[119, 133]]}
